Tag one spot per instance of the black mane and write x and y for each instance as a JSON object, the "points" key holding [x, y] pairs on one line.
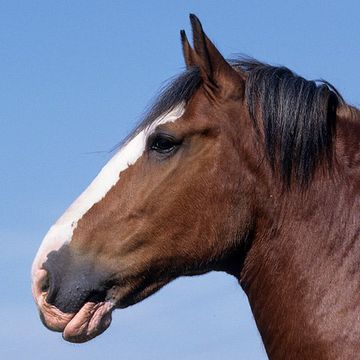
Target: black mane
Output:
{"points": [[298, 115]]}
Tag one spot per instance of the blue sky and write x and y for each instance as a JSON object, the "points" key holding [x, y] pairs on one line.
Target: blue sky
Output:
{"points": [[75, 78]]}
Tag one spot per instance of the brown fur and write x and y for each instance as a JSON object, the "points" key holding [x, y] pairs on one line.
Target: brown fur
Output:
{"points": [[216, 205]]}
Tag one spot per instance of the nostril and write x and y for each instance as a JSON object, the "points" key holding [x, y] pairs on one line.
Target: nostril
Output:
{"points": [[40, 282], [52, 287], [45, 283]]}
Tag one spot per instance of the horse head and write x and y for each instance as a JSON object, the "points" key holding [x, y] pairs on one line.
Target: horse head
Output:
{"points": [[177, 199], [240, 167]]}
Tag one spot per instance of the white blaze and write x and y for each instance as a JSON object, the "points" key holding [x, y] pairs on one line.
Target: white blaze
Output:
{"points": [[61, 232]]}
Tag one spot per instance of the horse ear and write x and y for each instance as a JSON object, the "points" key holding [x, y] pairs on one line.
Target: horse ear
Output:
{"points": [[187, 50], [217, 74]]}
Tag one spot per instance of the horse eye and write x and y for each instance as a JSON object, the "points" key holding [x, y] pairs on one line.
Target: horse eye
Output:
{"points": [[163, 143]]}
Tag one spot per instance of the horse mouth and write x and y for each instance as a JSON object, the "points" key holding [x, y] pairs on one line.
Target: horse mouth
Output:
{"points": [[91, 320]]}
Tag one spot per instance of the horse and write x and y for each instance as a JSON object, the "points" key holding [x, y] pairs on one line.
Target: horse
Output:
{"points": [[240, 167]]}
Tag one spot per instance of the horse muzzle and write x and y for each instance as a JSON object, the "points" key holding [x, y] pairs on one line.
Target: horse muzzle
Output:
{"points": [[92, 319], [72, 298]]}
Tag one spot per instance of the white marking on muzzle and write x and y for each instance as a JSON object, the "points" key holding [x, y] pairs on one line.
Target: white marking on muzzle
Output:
{"points": [[61, 232]]}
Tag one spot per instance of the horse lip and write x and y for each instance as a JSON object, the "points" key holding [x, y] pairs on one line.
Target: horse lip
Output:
{"points": [[51, 317], [91, 320]]}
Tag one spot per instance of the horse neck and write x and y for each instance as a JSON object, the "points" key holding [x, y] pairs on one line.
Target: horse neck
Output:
{"points": [[302, 271], [348, 140]]}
